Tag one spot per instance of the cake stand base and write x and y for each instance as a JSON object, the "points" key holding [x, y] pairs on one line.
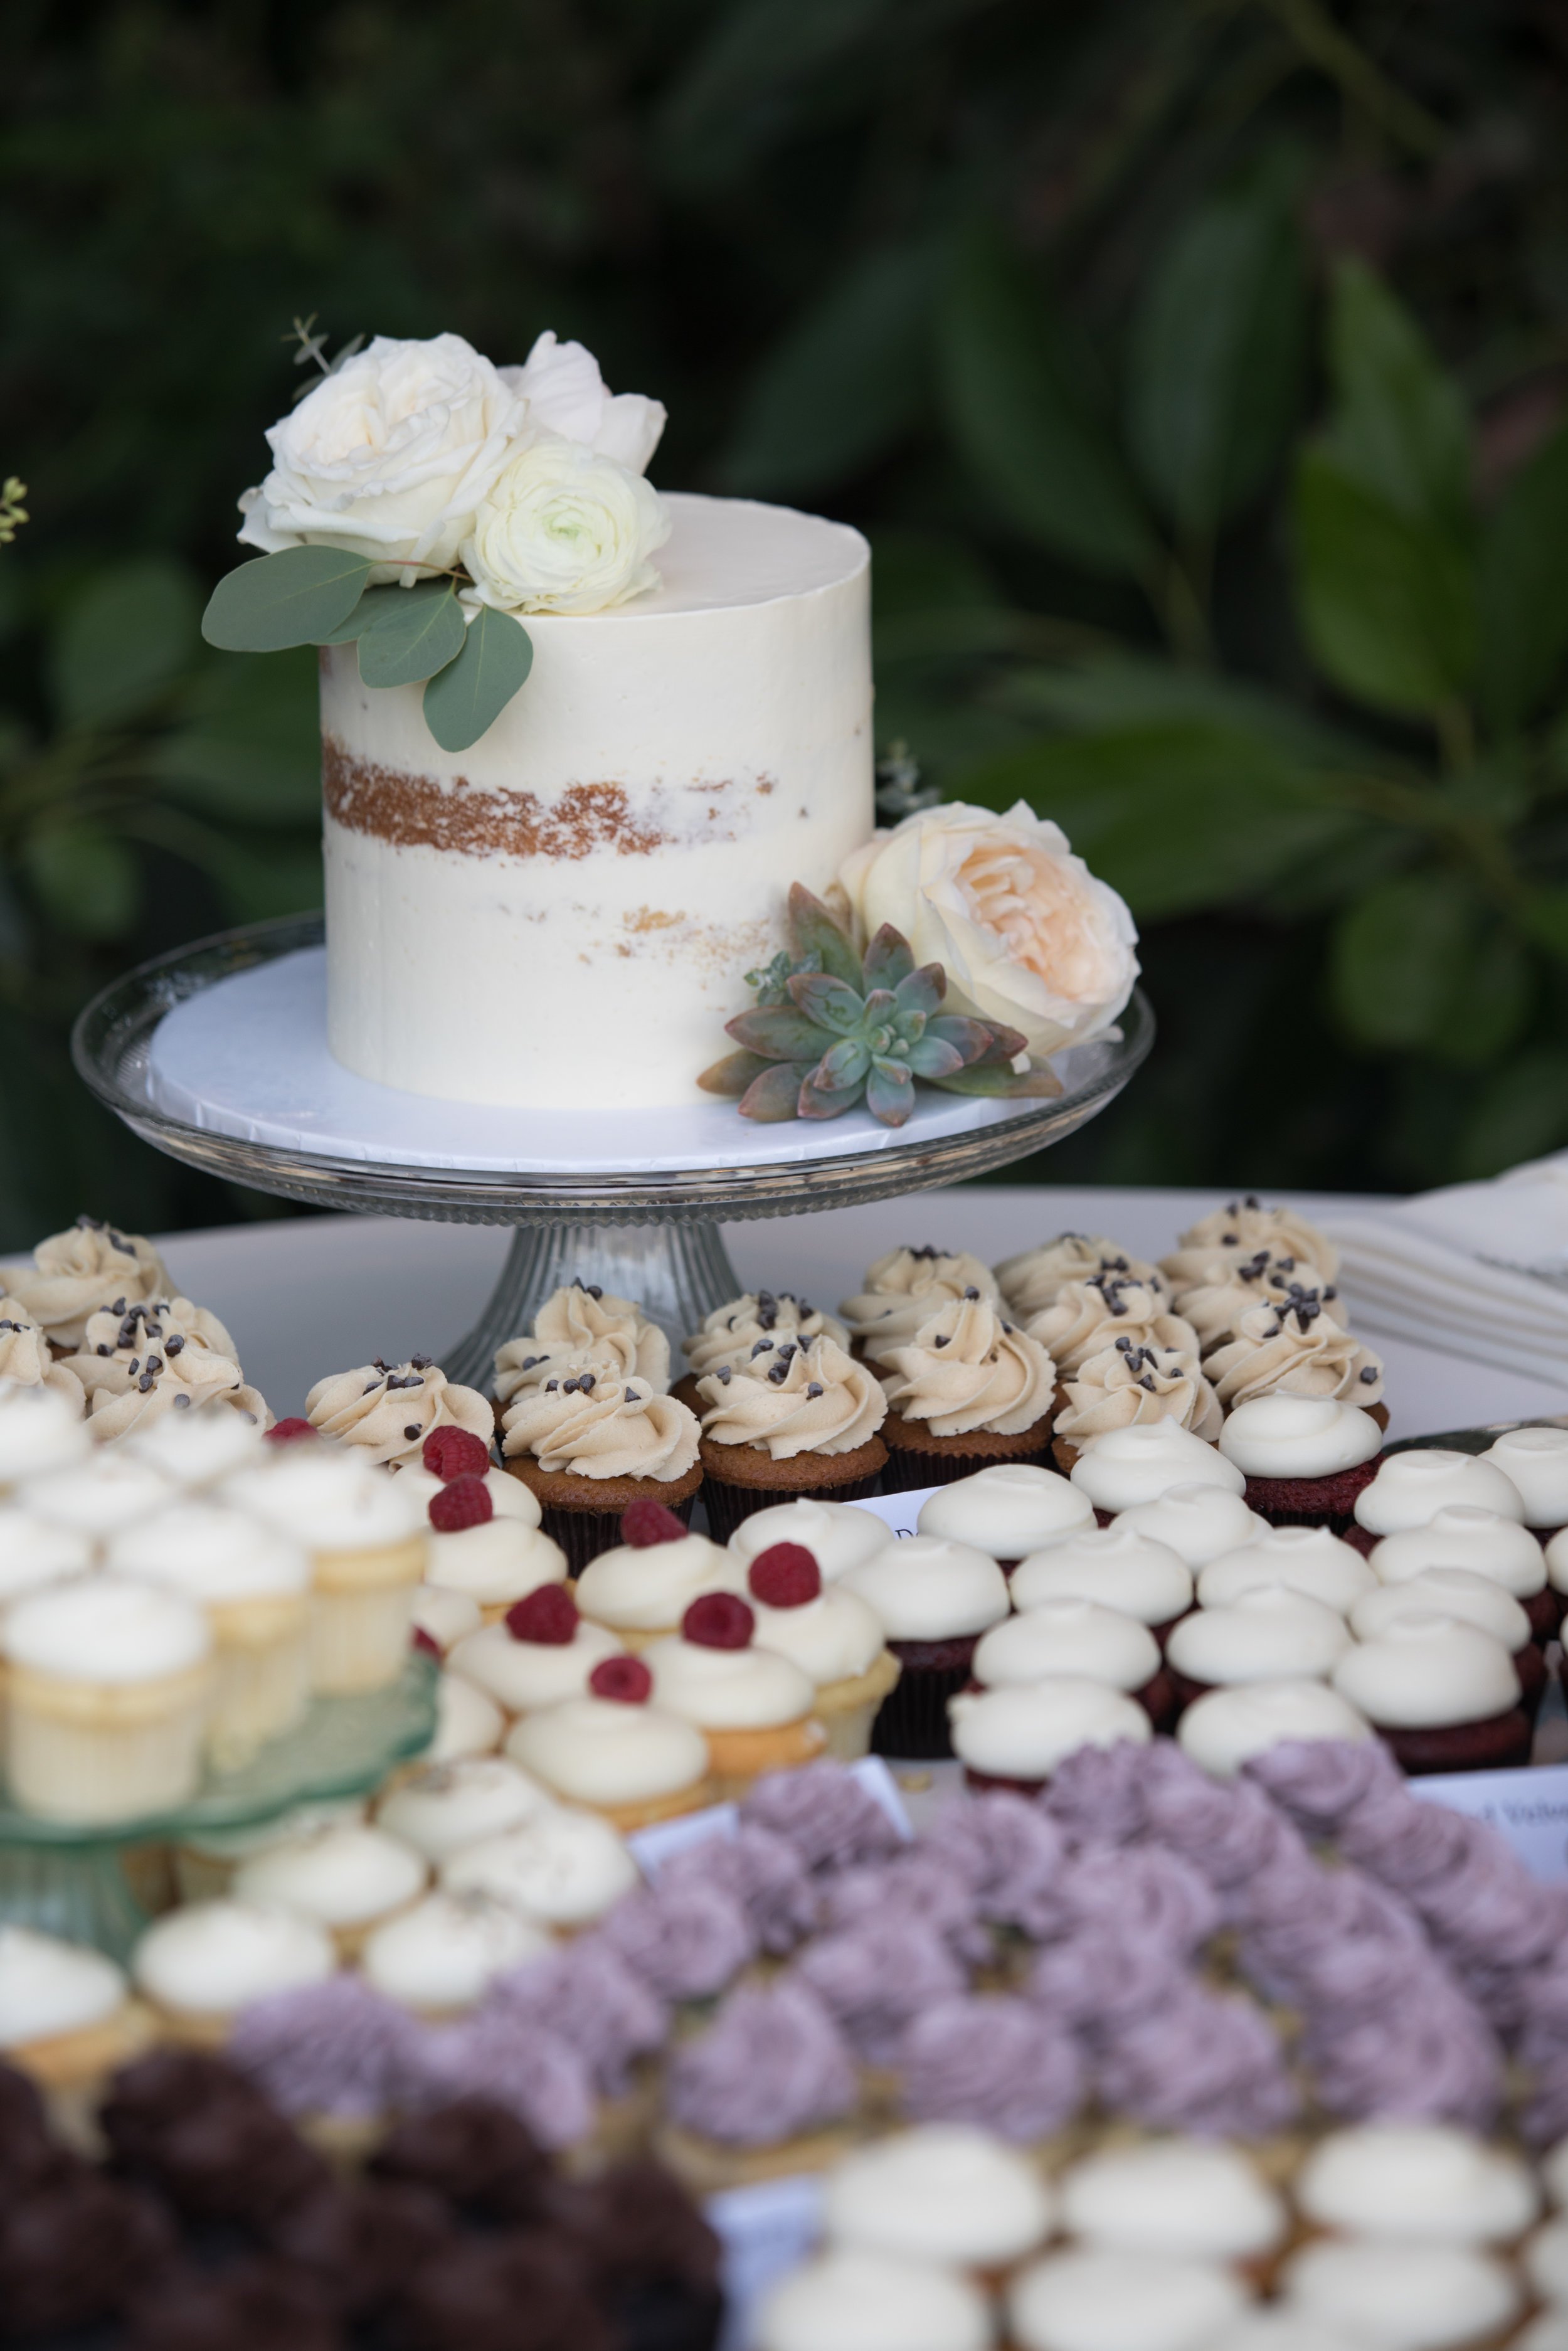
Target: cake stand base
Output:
{"points": [[676, 1273], [79, 1893]]}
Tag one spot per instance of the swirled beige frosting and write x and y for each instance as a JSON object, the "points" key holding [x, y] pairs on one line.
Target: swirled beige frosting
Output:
{"points": [[602, 1427], [731, 1335], [1128, 1385], [1089, 1316], [581, 1328], [389, 1410], [904, 1289], [1267, 1278], [26, 1360], [199, 1376], [813, 1398], [1299, 1352], [75, 1272], [1244, 1227], [118, 1343], [1038, 1278], [968, 1369]]}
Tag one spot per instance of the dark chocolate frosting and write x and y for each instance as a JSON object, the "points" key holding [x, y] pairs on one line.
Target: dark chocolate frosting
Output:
{"points": [[511, 2294], [475, 2153], [257, 2306], [77, 2250], [209, 2142]]}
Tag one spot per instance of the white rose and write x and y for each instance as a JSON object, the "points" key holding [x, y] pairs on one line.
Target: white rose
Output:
{"points": [[564, 531], [1027, 935], [390, 456], [566, 394]]}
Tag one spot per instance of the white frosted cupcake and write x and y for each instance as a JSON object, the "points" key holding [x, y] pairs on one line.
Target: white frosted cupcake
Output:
{"points": [[1199, 1523], [1462, 1534], [1266, 1635], [198, 1967], [754, 1707], [1225, 1729], [1535, 1462], [831, 1634], [1193, 2198], [1445, 1696], [943, 2192], [1008, 1510], [1015, 1737], [1080, 1637], [467, 1722], [443, 1618], [36, 1552], [496, 1561], [1114, 1566], [1088, 2298], [41, 1435], [206, 1862], [1307, 1460], [1423, 2183], [848, 2299], [1307, 1560], [934, 1598], [1474, 1600], [367, 1546], [108, 1683], [1403, 2297], [1412, 1486], [563, 1868], [615, 1753], [542, 1651], [439, 1957], [641, 1591], [348, 1881], [1129, 1466], [253, 1585], [838, 1535], [441, 1807], [66, 2017], [200, 1448], [97, 1497]]}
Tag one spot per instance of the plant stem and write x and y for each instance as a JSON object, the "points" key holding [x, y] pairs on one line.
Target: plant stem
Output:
{"points": [[1455, 734], [1331, 48]]}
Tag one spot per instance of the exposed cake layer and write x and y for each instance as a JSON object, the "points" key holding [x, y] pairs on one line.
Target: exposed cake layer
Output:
{"points": [[563, 914]]}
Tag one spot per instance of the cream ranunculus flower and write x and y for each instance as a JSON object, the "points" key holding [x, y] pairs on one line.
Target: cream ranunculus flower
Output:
{"points": [[1027, 936], [567, 394], [390, 456], [563, 530]]}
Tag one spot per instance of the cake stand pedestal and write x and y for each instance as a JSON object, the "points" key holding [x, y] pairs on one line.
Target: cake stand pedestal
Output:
{"points": [[240, 1082]]}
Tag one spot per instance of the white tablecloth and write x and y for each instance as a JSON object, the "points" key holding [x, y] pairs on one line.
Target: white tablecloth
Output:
{"points": [[312, 1295]]}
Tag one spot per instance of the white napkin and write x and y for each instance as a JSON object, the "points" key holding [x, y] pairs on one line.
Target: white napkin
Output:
{"points": [[1475, 1270]]}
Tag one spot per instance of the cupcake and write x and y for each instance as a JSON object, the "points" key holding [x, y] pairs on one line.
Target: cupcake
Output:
{"points": [[801, 1420], [1181, 2199], [1014, 1737], [26, 1361], [589, 1447], [1269, 1634], [831, 1634], [1084, 2298], [205, 1860], [34, 1553], [1086, 1317], [563, 1867], [1240, 1230], [1423, 2297], [1009, 1511], [252, 1585], [1306, 1460], [1229, 1727], [933, 1599], [88, 1268], [1127, 1386], [1462, 1534], [108, 1686], [640, 1590], [442, 1618], [494, 1561], [1075, 1636], [541, 1652], [865, 2301], [198, 1448], [98, 1495], [614, 1753], [767, 2092], [1222, 1290], [1411, 1486], [1421, 2182], [755, 1706], [200, 1966], [1114, 1566], [903, 1289], [1197, 1522], [387, 1411], [838, 1535], [1142, 1461], [154, 1360], [969, 1390], [750, 1325], [942, 2192], [66, 2017], [1036, 1277], [442, 1807], [581, 1327], [366, 1539], [441, 1958], [448, 1454], [1535, 1460], [1308, 1560], [1296, 1350], [467, 1722], [348, 1881], [41, 1434], [1472, 1599], [1442, 1694]]}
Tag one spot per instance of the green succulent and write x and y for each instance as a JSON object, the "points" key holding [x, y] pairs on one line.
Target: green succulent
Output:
{"points": [[832, 1027]]}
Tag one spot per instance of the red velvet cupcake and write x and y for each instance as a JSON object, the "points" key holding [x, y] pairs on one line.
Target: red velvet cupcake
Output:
{"points": [[1443, 1694], [1306, 1459]]}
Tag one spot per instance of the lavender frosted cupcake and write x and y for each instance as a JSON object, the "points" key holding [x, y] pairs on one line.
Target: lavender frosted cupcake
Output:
{"points": [[768, 2091]]}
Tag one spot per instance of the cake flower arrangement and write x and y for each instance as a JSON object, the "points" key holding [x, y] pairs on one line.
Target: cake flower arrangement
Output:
{"points": [[1025, 952], [420, 498]]}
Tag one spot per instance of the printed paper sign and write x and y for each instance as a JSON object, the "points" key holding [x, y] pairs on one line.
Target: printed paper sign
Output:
{"points": [[899, 1512], [1528, 1807]]}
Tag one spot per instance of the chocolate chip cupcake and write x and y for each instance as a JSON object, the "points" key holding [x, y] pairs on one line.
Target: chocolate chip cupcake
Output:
{"points": [[1128, 1385], [802, 1419], [587, 1447], [970, 1390], [903, 1289], [748, 1326]]}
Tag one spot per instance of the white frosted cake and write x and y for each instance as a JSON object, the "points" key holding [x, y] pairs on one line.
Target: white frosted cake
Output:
{"points": [[562, 914]]}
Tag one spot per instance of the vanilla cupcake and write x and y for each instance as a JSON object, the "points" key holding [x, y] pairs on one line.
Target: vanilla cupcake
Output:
{"points": [[253, 1585], [1184, 2199], [1231, 1234], [1474, 1600], [1416, 2298], [904, 1289], [801, 1418], [1228, 1728], [1014, 1737], [1129, 1386], [848, 2299], [387, 1411], [615, 1753], [1223, 1292], [1088, 2298], [1463, 1534], [509, 1498], [98, 1495], [440, 1808], [1293, 1347], [971, 1389], [496, 1561], [108, 1683], [42, 1436], [440, 1957], [744, 1326], [205, 1860], [582, 1327], [1036, 1277], [1008, 1511], [541, 1652], [466, 1721], [200, 1447], [1308, 1560], [640, 1590], [1076, 1637], [1268, 1633], [1143, 1461], [348, 1881], [933, 1599], [199, 1967], [1420, 2182], [1445, 1696], [443, 1618], [838, 1535], [1197, 1522], [1411, 1487], [36, 1552], [754, 1707], [76, 1273], [563, 1868], [1114, 1566], [831, 1634], [366, 1539], [66, 2017], [1535, 1462], [1306, 1459], [943, 2192]]}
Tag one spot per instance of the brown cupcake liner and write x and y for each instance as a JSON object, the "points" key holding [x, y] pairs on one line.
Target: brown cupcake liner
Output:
{"points": [[917, 1457], [1530, 1664], [1544, 1610], [820, 1477], [729, 1505], [583, 1514], [913, 1718]]}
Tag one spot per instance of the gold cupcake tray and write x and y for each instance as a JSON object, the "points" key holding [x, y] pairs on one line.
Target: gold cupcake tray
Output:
{"points": [[70, 1878], [633, 1200]]}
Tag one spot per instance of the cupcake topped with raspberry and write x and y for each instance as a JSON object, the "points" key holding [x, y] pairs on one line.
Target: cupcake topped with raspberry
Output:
{"points": [[755, 1706], [389, 1409], [642, 1588], [494, 1560], [832, 1633], [451, 1453], [540, 1652], [615, 1752]]}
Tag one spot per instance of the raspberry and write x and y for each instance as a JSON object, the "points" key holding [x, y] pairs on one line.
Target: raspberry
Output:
{"points": [[548, 1615], [423, 1645], [627, 1680], [466, 1503], [289, 1431], [645, 1524], [718, 1620], [449, 1453], [785, 1575]]}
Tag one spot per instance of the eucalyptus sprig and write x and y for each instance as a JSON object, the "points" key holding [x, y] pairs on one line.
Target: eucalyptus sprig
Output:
{"points": [[13, 513]]}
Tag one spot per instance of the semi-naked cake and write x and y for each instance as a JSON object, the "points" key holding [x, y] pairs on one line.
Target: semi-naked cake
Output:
{"points": [[563, 914]]}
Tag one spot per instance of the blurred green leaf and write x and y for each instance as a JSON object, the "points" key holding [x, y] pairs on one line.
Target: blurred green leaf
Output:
{"points": [[88, 881], [739, 92], [124, 642], [249, 747], [1545, 920], [1490, 1002], [1019, 418], [916, 572], [1521, 1114], [1399, 957], [1217, 345], [409, 638], [843, 385], [1399, 425], [1387, 600], [1524, 587], [1122, 691]]}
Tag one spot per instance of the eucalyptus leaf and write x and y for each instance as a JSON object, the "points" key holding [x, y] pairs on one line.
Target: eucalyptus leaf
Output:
{"points": [[124, 640], [410, 635], [470, 695], [297, 597], [1524, 587], [1387, 597]]}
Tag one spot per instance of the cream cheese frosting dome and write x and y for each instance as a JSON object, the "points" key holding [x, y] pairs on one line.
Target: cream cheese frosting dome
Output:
{"points": [[213, 1554], [495, 1562], [1084, 2299], [838, 1535], [48, 1987], [648, 1588], [1225, 1727], [602, 1427], [749, 1688], [439, 1957], [834, 1637], [521, 1674], [1443, 1592], [1197, 1522], [1535, 1460], [1181, 2197], [1138, 1464], [1294, 1350], [732, 1332], [850, 2299], [968, 1369], [1009, 1509], [40, 1431], [940, 2193], [802, 1396], [1269, 1634], [1402, 2297], [1130, 1386], [388, 1411], [98, 1496], [633, 817], [1068, 1637], [76, 1273], [1420, 2182], [330, 1497], [1462, 1534], [904, 1289], [1292, 1436], [1308, 1560], [1035, 1278], [597, 1750], [563, 1867], [1087, 1317], [442, 1807], [1023, 1731], [1426, 1672], [212, 1959], [444, 1617], [1114, 1565], [467, 1721], [339, 1876], [200, 1448], [107, 1632], [509, 1497], [34, 1552], [926, 1588], [1411, 1488], [582, 1327]]}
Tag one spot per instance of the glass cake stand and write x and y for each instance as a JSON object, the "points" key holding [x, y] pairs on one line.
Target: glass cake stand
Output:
{"points": [[69, 1879], [648, 1234]]}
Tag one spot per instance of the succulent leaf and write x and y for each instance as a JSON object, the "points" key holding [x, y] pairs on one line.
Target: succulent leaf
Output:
{"points": [[779, 1032], [932, 1056], [733, 1074], [832, 1003], [1001, 1080], [843, 1064], [775, 1095], [772, 982], [889, 1092], [888, 959], [815, 932], [824, 1102], [921, 991]]}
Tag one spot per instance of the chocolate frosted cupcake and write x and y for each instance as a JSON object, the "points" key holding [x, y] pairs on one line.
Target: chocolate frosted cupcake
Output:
{"points": [[748, 1326], [1127, 1386], [969, 1391], [903, 1289], [934, 1600], [1306, 1459], [802, 1419], [586, 1448], [1444, 1694]]}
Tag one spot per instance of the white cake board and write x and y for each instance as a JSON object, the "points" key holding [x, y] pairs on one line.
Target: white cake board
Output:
{"points": [[248, 1057]]}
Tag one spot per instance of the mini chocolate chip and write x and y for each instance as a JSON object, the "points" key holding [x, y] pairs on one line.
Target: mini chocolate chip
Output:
{"points": [[183, 1403], [763, 1347], [175, 1345], [551, 1387], [411, 1431], [724, 1376], [146, 1382], [586, 1382], [939, 1340], [154, 1362], [814, 1388], [1369, 1376], [971, 1292], [104, 1349]]}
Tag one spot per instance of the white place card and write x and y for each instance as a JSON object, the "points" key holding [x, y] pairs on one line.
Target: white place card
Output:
{"points": [[650, 1848], [899, 1512], [766, 2231], [1528, 1807]]}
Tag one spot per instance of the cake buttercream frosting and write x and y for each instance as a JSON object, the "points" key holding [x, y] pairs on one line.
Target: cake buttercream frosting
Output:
{"points": [[1422, 2182], [856, 2300], [562, 1866], [1115, 1565], [1035, 1278], [647, 1588], [582, 1327], [521, 1673], [40, 1431], [1293, 1350], [798, 1397], [926, 1588], [106, 1630], [1130, 1385], [1535, 1460], [386, 1412], [747, 1688], [1244, 1226], [339, 1876], [1139, 1463], [49, 1987], [1008, 1509], [734, 1332], [495, 1562], [1309, 1559], [1268, 1633], [35, 1552], [904, 1289], [1443, 1592], [967, 1368], [1197, 1522], [1086, 1317], [89, 1266], [1426, 1671], [442, 1807], [1084, 2299], [943, 2192], [602, 1427], [596, 1750], [838, 1535], [212, 1959], [440, 1956], [444, 1617], [1023, 1731], [1182, 2197]]}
